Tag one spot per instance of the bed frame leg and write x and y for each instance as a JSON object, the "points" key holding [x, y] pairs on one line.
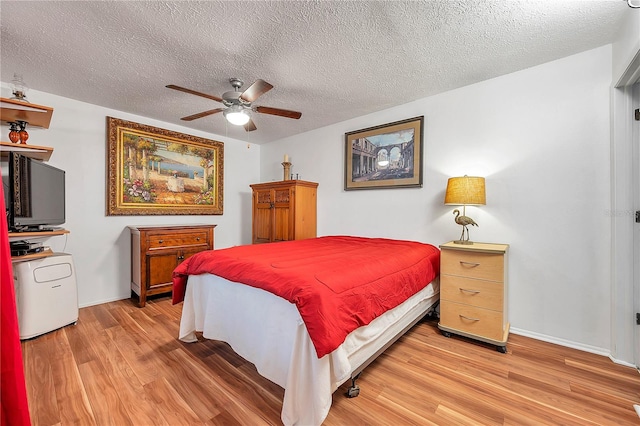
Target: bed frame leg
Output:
{"points": [[353, 390]]}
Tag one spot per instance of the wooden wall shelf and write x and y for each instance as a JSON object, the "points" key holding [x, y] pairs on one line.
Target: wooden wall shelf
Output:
{"points": [[34, 151], [17, 236], [45, 253], [36, 234], [12, 110]]}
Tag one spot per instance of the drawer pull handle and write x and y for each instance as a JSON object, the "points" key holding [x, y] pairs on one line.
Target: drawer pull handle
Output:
{"points": [[198, 239], [473, 264], [466, 290], [469, 318], [160, 241]]}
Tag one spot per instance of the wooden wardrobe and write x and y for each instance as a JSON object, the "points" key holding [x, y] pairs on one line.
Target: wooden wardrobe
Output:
{"points": [[283, 211]]}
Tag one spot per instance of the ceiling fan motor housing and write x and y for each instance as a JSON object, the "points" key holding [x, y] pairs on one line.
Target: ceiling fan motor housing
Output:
{"points": [[232, 97]]}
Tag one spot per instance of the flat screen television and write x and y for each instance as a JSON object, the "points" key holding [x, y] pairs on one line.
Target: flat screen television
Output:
{"points": [[34, 194]]}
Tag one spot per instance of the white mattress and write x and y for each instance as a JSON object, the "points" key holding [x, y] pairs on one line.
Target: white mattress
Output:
{"points": [[269, 332]]}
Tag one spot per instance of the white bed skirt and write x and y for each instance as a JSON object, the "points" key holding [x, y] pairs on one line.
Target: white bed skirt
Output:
{"points": [[268, 331]]}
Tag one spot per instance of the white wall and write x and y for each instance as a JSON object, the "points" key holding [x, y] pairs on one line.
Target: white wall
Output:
{"points": [[100, 244], [541, 139]]}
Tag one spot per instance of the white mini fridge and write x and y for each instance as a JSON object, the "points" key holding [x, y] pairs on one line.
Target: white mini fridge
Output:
{"points": [[46, 294]]}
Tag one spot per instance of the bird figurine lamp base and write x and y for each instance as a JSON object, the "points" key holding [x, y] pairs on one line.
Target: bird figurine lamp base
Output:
{"points": [[464, 221], [467, 242]]}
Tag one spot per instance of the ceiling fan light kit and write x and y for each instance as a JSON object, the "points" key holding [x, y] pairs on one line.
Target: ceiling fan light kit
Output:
{"points": [[238, 104], [236, 115]]}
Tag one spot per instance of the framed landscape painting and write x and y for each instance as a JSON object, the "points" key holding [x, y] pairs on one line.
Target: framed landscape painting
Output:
{"points": [[386, 156], [152, 171]]}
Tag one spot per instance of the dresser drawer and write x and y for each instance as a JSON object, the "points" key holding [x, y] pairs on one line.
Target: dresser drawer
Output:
{"points": [[480, 293], [472, 320], [177, 239], [484, 266]]}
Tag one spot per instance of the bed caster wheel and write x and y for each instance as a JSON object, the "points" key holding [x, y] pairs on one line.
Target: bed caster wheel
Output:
{"points": [[353, 391], [445, 333], [501, 349]]}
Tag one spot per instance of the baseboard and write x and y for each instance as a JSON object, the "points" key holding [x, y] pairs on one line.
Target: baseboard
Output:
{"points": [[625, 363], [563, 342], [100, 302], [571, 344]]}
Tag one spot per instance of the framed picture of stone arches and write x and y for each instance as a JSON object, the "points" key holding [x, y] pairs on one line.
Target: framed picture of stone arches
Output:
{"points": [[385, 156], [153, 171]]}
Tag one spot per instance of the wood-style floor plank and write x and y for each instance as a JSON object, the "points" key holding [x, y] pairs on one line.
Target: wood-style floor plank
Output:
{"points": [[103, 396], [124, 365], [72, 400], [41, 386]]}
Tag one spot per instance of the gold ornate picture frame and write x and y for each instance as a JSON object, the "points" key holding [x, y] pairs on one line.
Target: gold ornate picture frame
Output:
{"points": [[153, 171], [385, 156]]}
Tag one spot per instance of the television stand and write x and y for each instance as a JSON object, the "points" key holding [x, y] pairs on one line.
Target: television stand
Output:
{"points": [[16, 236]]}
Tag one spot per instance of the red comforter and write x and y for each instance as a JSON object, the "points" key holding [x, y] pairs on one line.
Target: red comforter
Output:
{"points": [[338, 283]]}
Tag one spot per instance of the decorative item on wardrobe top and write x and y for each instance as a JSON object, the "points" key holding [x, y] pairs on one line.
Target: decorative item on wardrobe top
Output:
{"points": [[465, 191], [286, 165]]}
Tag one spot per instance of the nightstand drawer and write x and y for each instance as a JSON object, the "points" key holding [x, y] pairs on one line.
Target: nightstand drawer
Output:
{"points": [[177, 240], [484, 266], [472, 320], [480, 293]]}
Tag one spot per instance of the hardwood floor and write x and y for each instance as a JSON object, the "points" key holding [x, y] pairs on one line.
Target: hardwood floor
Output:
{"points": [[122, 365]]}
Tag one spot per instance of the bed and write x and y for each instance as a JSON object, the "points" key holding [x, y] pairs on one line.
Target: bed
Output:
{"points": [[320, 309]]}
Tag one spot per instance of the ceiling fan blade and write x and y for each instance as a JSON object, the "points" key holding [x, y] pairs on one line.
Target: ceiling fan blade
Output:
{"points": [[202, 114], [250, 126], [278, 111], [193, 92], [257, 89]]}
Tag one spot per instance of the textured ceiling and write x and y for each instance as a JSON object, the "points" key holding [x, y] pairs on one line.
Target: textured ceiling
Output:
{"points": [[331, 60]]}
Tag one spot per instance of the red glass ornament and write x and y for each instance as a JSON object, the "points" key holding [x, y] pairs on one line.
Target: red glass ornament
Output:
{"points": [[14, 135], [24, 135]]}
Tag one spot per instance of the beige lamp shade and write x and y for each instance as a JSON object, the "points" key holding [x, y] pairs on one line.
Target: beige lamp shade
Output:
{"points": [[465, 190]]}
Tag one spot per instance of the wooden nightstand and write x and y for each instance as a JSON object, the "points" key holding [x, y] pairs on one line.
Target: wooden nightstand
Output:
{"points": [[473, 292]]}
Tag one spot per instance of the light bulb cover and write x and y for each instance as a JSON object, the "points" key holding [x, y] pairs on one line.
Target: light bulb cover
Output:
{"points": [[236, 115]]}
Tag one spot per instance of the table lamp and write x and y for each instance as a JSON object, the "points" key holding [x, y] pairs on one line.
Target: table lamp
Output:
{"points": [[465, 191]]}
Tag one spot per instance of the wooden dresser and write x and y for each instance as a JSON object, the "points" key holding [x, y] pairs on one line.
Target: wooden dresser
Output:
{"points": [[283, 211], [473, 292], [157, 250]]}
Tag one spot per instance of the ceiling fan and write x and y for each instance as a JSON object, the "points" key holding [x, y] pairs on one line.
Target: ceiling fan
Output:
{"points": [[238, 104]]}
